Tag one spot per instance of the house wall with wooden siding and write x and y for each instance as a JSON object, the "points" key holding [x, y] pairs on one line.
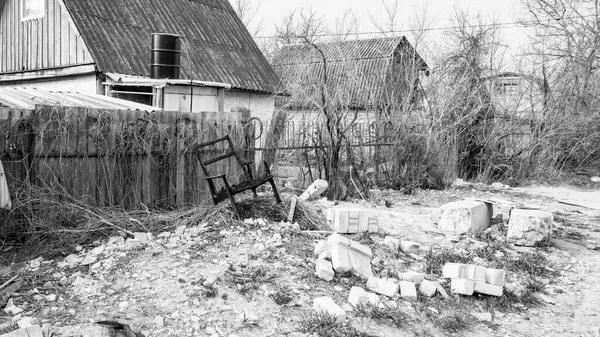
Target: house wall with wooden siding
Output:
{"points": [[44, 43]]}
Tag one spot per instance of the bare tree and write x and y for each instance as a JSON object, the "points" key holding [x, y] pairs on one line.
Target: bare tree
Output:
{"points": [[389, 22], [247, 10]]}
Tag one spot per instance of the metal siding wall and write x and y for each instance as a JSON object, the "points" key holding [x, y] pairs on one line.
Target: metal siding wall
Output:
{"points": [[47, 42]]}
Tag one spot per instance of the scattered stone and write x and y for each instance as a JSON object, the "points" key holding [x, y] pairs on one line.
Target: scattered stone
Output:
{"points": [[324, 270], [359, 296], [143, 237], [51, 298], [408, 290], [466, 216], [98, 250], [391, 243], [31, 331], [412, 276], [488, 289], [495, 276], [352, 220], [210, 331], [328, 306], [595, 179], [528, 227], [133, 243], [428, 288], [486, 317], [89, 259], [320, 247], [382, 287], [159, 322], [500, 186], [409, 247], [348, 255], [25, 322], [462, 286], [547, 299], [314, 190]]}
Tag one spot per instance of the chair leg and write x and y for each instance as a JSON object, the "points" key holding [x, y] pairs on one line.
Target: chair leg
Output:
{"points": [[232, 199], [277, 198]]}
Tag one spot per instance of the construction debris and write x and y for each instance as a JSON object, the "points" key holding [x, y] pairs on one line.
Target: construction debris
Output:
{"points": [[326, 305], [528, 227], [359, 296], [466, 216], [469, 279], [5, 202], [382, 287], [314, 190], [350, 221], [350, 256]]}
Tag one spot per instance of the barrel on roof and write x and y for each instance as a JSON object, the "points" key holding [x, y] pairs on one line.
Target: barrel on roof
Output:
{"points": [[166, 56]]}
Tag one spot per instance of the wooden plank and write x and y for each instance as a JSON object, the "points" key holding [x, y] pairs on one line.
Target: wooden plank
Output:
{"points": [[180, 169]]}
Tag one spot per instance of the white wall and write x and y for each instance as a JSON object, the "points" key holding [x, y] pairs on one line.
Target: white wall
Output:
{"points": [[260, 105], [84, 84]]}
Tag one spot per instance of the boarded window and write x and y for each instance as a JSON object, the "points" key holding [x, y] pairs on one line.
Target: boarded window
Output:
{"points": [[33, 9]]}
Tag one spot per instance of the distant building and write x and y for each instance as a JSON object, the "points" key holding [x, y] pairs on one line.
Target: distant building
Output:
{"points": [[103, 47], [372, 75]]}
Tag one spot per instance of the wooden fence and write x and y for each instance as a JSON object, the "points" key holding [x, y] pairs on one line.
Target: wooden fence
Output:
{"points": [[114, 157]]}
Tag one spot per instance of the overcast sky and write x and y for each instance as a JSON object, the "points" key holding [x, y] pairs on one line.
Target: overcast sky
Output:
{"points": [[439, 13]]}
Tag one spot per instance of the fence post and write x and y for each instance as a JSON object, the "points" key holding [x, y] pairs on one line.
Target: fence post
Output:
{"points": [[180, 168]]}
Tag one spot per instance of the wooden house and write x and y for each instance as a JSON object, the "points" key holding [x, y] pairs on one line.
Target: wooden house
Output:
{"points": [[104, 47], [373, 75]]}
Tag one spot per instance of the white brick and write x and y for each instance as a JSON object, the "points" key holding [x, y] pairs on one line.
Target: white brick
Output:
{"points": [[348, 255], [324, 270], [495, 276], [428, 288], [455, 270], [382, 287], [359, 296], [412, 276], [320, 247], [392, 243], [466, 216], [326, 305], [476, 273], [409, 247], [529, 227], [488, 289], [408, 290], [462, 286], [352, 221], [314, 190], [143, 237]]}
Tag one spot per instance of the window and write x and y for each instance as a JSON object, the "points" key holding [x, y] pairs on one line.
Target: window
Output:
{"points": [[32, 9]]}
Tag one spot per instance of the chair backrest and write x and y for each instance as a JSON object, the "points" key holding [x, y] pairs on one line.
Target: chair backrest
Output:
{"points": [[204, 162]]}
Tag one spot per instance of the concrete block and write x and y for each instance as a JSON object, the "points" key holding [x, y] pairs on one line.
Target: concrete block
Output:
{"points": [[428, 288], [382, 287], [143, 237], [324, 270], [314, 190], [488, 289], [409, 247], [466, 216], [412, 276], [529, 227], [320, 247], [392, 243], [348, 255], [476, 273], [351, 220], [462, 286], [484, 316], [495, 276], [455, 270], [408, 290], [32, 331], [326, 305], [359, 296]]}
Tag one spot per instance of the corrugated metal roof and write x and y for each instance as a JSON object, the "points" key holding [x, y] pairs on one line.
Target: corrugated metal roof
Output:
{"points": [[357, 70], [118, 34], [27, 98]]}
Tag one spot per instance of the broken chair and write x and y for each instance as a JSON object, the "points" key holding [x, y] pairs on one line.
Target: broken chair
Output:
{"points": [[228, 191]]}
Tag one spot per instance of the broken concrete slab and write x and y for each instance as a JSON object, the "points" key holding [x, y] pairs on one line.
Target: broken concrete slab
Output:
{"points": [[428, 288], [350, 221], [314, 190], [527, 227], [408, 290], [465, 216], [441, 290], [382, 287], [324, 270], [359, 296], [348, 255], [326, 305], [462, 286], [409, 247], [32, 331], [484, 316], [320, 247], [391, 243]]}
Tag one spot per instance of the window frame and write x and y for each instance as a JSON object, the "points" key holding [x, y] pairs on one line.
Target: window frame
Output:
{"points": [[37, 15]]}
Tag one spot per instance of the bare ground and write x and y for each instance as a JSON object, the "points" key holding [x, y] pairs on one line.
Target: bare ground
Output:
{"points": [[236, 279]]}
